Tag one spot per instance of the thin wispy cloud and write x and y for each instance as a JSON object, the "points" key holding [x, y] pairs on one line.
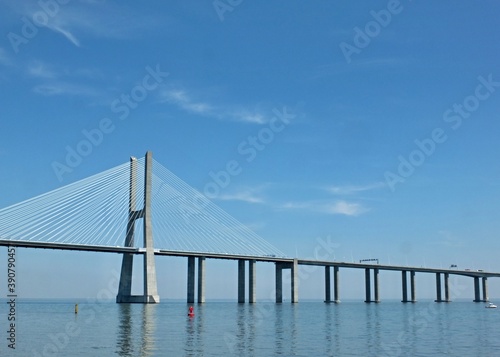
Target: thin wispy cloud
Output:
{"points": [[339, 207], [54, 80], [247, 116], [65, 33], [253, 195], [40, 70], [64, 88], [344, 208], [43, 70], [244, 196], [353, 189], [185, 101], [74, 20]]}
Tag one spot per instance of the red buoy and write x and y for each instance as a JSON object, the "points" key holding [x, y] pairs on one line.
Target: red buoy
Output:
{"points": [[191, 312]]}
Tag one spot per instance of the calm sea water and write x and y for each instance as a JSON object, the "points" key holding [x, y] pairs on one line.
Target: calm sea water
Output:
{"points": [[262, 329]]}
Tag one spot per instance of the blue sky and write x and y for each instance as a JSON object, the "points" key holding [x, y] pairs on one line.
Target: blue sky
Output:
{"points": [[389, 149]]}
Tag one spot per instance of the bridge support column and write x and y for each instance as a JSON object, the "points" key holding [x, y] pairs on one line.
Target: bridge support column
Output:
{"points": [[150, 286], [447, 287], [328, 292], [438, 288], [477, 296], [336, 296], [125, 287], [295, 281], [368, 293], [279, 283], [241, 281], [294, 288], [252, 279], [412, 286], [150, 292], [190, 280], [405, 286], [485, 289], [201, 280]]}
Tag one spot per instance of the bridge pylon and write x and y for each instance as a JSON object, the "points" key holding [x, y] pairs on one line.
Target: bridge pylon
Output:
{"points": [[150, 294]]}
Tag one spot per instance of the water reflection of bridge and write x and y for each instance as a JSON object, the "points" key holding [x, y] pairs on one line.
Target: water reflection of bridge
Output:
{"points": [[129, 341]]}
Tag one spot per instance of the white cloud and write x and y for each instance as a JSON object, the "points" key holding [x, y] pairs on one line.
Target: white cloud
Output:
{"points": [[246, 194], [41, 70], [63, 88], [353, 189], [344, 208], [339, 207], [181, 98], [65, 33], [95, 18], [62, 81], [186, 102], [249, 117]]}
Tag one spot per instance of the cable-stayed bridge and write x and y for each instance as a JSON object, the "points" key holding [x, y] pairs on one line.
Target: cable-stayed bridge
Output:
{"points": [[95, 212], [107, 212]]}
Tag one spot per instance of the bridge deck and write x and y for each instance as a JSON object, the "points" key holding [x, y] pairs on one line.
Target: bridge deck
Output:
{"points": [[134, 250]]}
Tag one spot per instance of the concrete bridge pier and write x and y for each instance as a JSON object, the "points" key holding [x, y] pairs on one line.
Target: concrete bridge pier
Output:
{"points": [[375, 285], [252, 279], [413, 286], [241, 281], [150, 291], [201, 280], [328, 293], [404, 286], [328, 289], [438, 288], [485, 289], [404, 275], [336, 295], [191, 280], [294, 288], [477, 296], [477, 292], [446, 288]]}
